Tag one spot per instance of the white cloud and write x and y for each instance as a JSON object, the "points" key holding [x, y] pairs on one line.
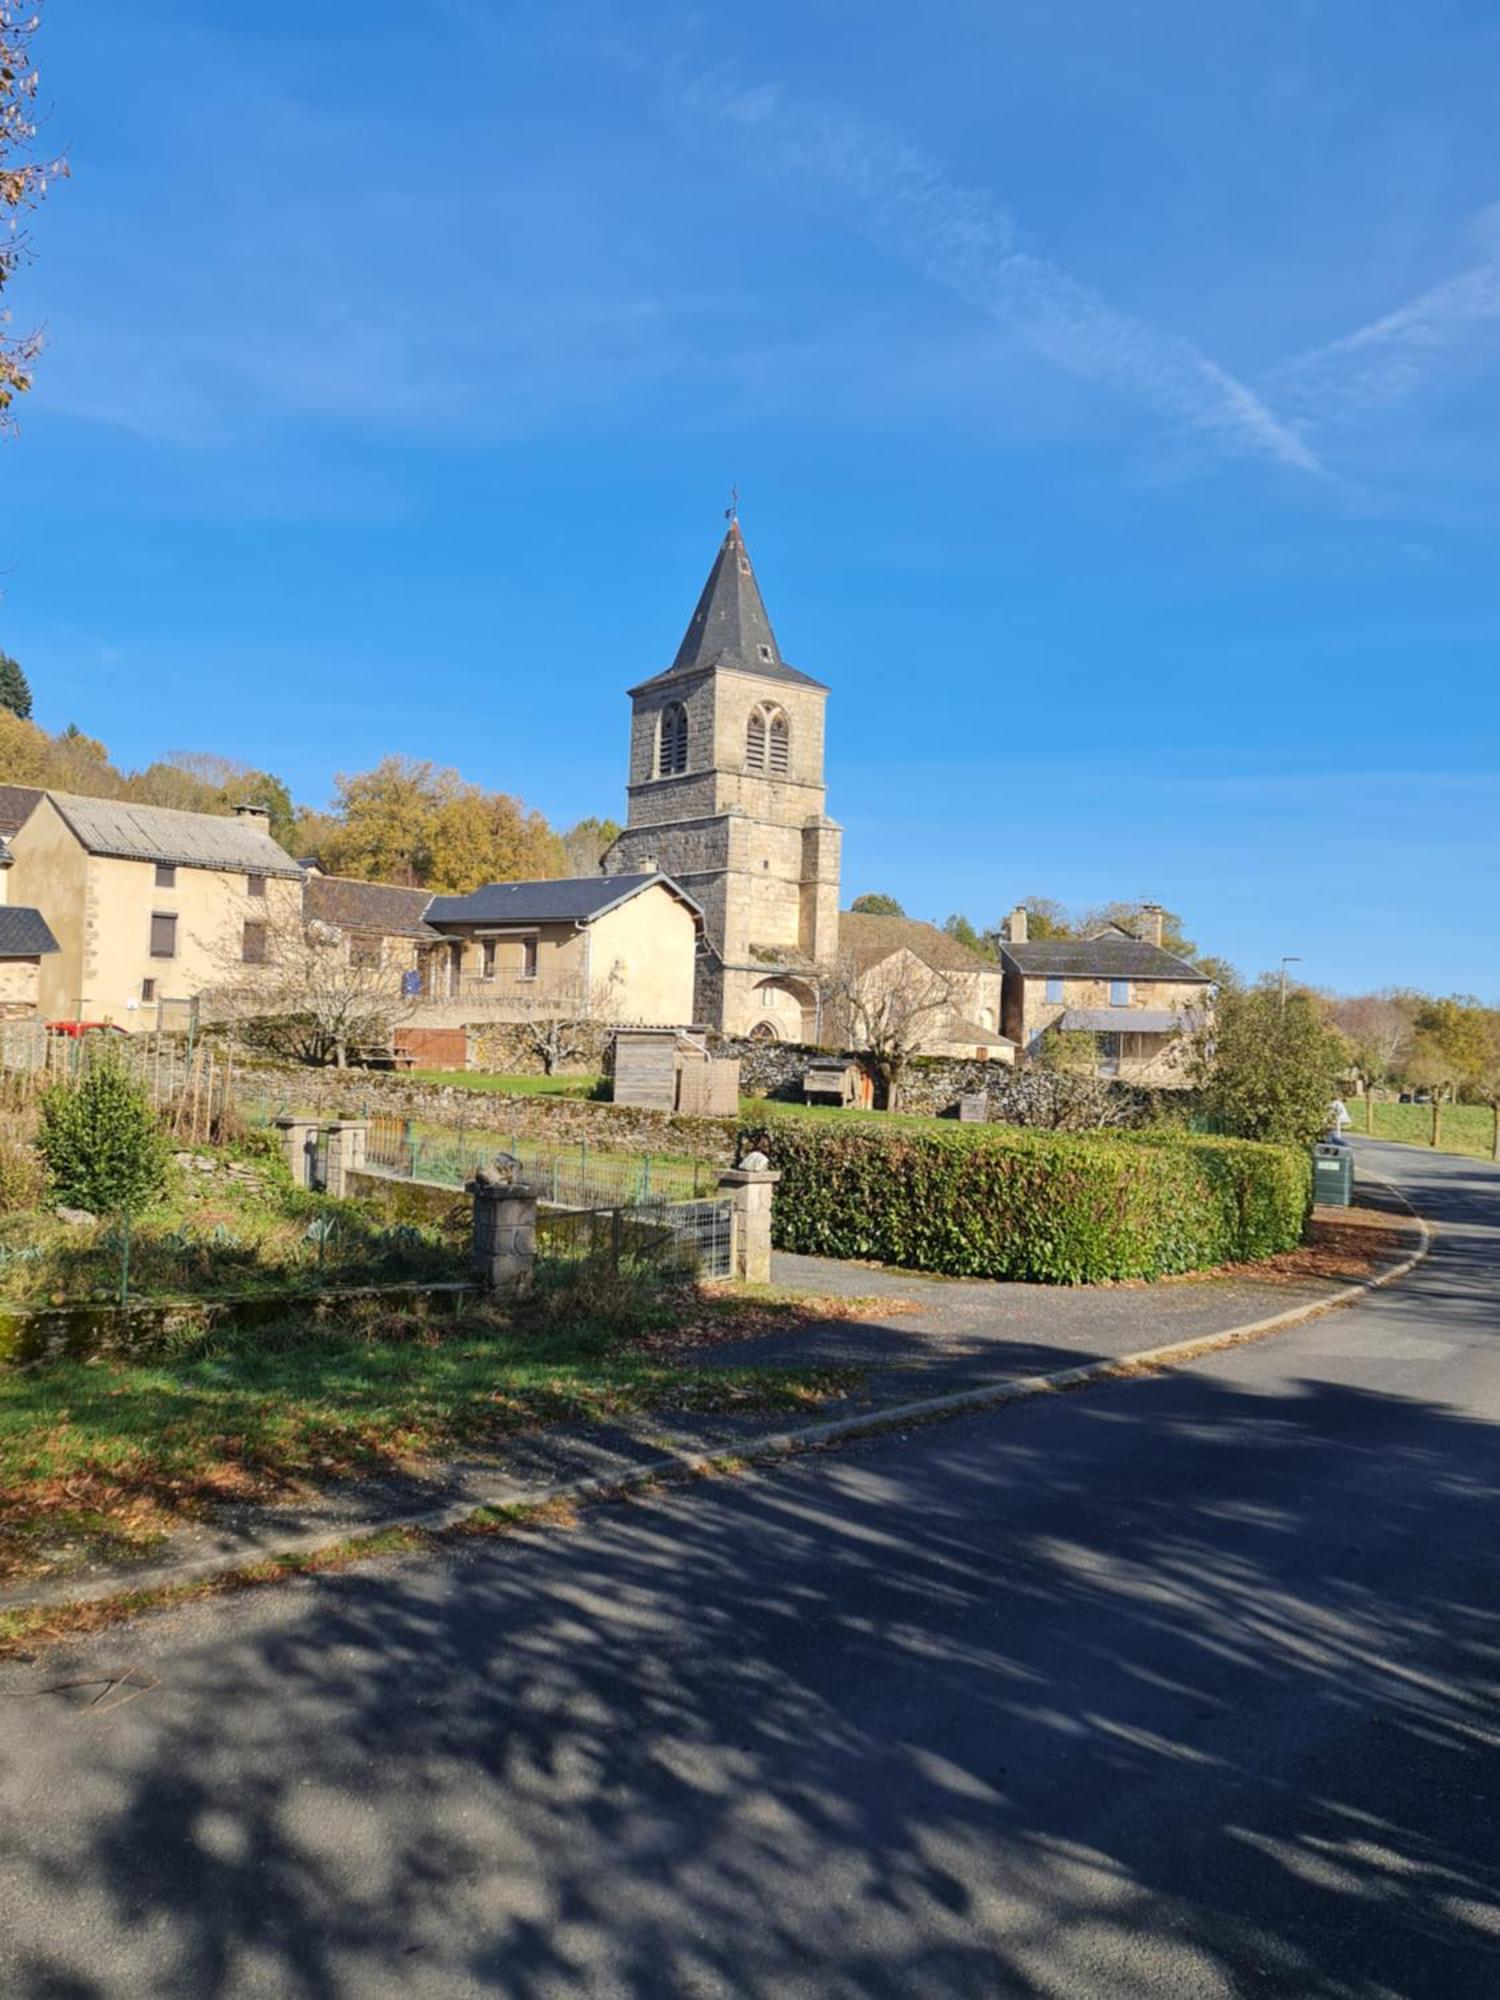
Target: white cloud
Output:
{"points": [[966, 242]]}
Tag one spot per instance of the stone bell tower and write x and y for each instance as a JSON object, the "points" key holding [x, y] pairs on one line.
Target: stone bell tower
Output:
{"points": [[726, 795]]}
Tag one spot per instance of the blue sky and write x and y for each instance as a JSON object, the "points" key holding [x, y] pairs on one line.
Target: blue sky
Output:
{"points": [[1111, 393]]}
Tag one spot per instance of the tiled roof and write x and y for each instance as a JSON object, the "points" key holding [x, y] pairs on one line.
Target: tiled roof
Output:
{"points": [[1111, 955], [182, 839], [729, 628], [578, 899], [869, 939], [24, 932], [378, 908], [16, 802]]}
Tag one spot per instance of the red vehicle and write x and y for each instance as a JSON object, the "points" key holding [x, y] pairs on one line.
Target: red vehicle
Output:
{"points": [[78, 1029]]}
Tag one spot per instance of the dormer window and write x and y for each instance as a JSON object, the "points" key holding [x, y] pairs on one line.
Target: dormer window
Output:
{"points": [[765, 652], [672, 741]]}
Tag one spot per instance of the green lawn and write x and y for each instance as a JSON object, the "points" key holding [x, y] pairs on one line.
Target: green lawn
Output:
{"points": [[510, 1086], [1465, 1128], [105, 1457]]}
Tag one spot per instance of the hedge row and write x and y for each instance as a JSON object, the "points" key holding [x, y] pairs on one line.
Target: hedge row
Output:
{"points": [[998, 1202]]}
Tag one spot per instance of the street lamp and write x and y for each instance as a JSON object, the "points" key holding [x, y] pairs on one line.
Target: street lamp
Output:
{"points": [[1287, 958]]}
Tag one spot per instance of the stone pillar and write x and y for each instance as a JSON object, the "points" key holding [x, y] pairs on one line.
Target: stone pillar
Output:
{"points": [[300, 1138], [504, 1252], [751, 1187], [346, 1139]]}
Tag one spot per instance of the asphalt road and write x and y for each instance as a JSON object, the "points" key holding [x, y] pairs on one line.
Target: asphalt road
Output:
{"points": [[1184, 1686]]}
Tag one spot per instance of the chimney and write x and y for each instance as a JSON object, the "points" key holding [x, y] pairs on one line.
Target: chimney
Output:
{"points": [[254, 815], [1015, 925], [1150, 925]]}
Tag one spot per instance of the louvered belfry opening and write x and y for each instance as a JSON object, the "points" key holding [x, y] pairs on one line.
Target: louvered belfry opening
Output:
{"points": [[672, 743], [768, 742], [781, 746]]}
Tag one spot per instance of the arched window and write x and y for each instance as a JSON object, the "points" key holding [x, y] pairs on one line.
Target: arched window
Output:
{"points": [[671, 741], [768, 743]]}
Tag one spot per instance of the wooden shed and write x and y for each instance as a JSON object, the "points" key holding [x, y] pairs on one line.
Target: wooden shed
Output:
{"points": [[836, 1080], [667, 1069]]}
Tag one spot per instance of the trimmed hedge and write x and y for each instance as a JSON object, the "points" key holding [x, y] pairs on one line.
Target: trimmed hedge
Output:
{"points": [[1053, 1208]]}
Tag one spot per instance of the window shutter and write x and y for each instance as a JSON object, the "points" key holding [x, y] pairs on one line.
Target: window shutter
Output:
{"points": [[781, 747], [755, 741], [254, 952], [163, 935]]}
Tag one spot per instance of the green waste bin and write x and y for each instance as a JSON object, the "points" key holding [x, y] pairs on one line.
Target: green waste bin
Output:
{"points": [[1333, 1175]]}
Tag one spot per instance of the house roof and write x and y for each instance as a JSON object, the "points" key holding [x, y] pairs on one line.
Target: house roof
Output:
{"points": [[577, 900], [131, 832], [24, 932], [730, 629], [1130, 1020], [1112, 954], [957, 1029], [869, 939], [379, 908], [16, 802]]}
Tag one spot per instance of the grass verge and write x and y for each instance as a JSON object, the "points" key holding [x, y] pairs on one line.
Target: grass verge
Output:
{"points": [[509, 1086], [101, 1460]]}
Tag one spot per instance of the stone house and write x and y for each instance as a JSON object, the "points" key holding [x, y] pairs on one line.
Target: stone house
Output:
{"points": [[1136, 998], [25, 940], [903, 950], [726, 796], [149, 906], [384, 923], [16, 803], [606, 947]]}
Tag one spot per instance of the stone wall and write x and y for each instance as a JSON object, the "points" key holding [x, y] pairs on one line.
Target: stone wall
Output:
{"points": [[551, 1121]]}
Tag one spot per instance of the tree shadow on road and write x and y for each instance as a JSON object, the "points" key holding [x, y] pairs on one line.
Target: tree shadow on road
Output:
{"points": [[1186, 1685]]}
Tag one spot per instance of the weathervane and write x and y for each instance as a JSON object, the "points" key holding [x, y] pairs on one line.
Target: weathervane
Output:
{"points": [[732, 511]]}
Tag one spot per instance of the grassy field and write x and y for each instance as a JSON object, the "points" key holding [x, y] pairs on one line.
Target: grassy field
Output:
{"points": [[1465, 1128], [509, 1086], [103, 1459]]}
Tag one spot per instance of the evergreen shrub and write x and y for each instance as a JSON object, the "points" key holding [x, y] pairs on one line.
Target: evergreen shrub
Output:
{"points": [[1053, 1208]]}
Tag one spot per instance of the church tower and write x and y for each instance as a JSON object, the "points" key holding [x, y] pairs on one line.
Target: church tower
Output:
{"points": [[726, 795]]}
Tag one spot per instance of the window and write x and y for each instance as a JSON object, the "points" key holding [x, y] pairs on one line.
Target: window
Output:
{"points": [[163, 935], [768, 742], [528, 958], [1054, 988], [364, 952], [148, 990], [1119, 993], [166, 875], [672, 741], [487, 958], [256, 884], [253, 950]]}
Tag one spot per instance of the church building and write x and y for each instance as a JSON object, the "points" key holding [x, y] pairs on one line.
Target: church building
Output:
{"points": [[726, 796]]}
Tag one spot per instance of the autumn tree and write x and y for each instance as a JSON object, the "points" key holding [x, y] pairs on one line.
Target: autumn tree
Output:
{"points": [[1378, 1028], [479, 837], [23, 183], [1452, 1045]]}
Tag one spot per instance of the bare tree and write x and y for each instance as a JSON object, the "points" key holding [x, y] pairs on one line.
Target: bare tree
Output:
{"points": [[23, 183], [887, 1011], [1379, 1029], [312, 992]]}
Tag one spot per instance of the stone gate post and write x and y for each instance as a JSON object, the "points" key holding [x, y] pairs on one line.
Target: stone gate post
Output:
{"points": [[346, 1142], [299, 1138], [504, 1242], [751, 1187]]}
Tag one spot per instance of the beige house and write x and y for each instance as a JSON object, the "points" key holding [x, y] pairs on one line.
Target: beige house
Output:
{"points": [[383, 923], [726, 796], [1136, 999], [604, 947], [25, 940], [149, 906], [954, 993]]}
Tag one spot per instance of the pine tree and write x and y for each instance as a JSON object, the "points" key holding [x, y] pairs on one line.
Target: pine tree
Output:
{"points": [[15, 689]]}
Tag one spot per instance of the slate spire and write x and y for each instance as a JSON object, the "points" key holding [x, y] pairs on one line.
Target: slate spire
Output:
{"points": [[730, 626]]}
